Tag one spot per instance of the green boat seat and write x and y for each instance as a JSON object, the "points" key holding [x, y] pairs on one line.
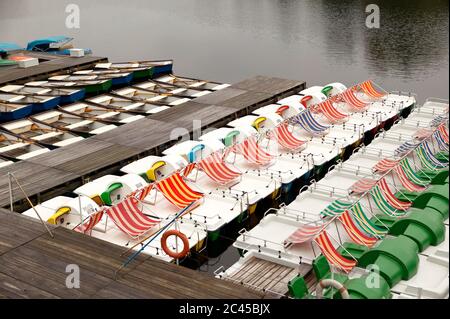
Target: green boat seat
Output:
{"points": [[230, 138], [297, 288], [396, 258], [442, 156], [352, 250], [106, 195], [358, 288], [437, 176], [425, 228]]}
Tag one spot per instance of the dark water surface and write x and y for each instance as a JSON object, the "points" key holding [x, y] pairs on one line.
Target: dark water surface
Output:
{"points": [[228, 40]]}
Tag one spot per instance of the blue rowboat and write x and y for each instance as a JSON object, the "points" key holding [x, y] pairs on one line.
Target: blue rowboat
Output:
{"points": [[14, 111], [39, 102], [54, 45]]}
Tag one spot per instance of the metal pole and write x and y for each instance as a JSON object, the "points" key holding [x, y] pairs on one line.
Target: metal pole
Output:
{"points": [[31, 204], [11, 199]]}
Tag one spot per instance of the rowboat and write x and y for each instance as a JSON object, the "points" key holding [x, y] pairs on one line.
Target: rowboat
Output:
{"points": [[71, 122], [11, 111], [30, 103], [90, 86], [55, 45], [89, 111], [169, 89], [45, 135], [117, 102], [118, 78], [66, 95], [140, 95], [15, 148], [191, 82], [158, 66]]}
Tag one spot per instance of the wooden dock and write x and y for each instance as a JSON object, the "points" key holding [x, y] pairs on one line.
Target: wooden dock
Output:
{"points": [[33, 265], [49, 65], [66, 168]]}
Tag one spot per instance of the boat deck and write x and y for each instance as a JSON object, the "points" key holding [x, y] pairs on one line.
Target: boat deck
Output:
{"points": [[49, 65], [62, 170], [33, 265]]}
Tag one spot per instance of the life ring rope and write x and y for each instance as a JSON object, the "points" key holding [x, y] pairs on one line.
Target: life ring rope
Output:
{"points": [[326, 283]]}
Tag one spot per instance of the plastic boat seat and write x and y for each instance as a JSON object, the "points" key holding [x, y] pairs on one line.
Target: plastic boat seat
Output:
{"points": [[106, 195], [352, 250], [437, 176], [396, 258], [297, 288], [442, 156]]}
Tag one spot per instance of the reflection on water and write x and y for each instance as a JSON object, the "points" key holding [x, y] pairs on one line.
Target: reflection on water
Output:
{"points": [[315, 40], [319, 41]]}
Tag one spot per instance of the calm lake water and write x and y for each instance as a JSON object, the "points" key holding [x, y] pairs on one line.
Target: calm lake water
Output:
{"points": [[229, 40]]}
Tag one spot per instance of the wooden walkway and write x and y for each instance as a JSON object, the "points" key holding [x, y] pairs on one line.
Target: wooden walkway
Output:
{"points": [[64, 169], [49, 65], [33, 265]]}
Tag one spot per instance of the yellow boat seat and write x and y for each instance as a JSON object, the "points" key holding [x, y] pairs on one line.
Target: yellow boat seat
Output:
{"points": [[258, 122], [60, 212], [151, 173]]}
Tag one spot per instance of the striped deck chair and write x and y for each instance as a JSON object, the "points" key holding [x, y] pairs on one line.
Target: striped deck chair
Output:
{"points": [[363, 185], [353, 231], [332, 255], [390, 197], [438, 120], [444, 133], [385, 165], [309, 123], [252, 151], [406, 182], [331, 113], [443, 146], [350, 98], [411, 174], [92, 221], [176, 191], [335, 208], [129, 218], [405, 148], [187, 170], [215, 168], [141, 193], [431, 157], [303, 234], [364, 222], [369, 90], [285, 138], [380, 201]]}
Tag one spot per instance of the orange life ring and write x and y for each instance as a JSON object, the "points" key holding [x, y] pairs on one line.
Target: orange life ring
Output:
{"points": [[170, 252]]}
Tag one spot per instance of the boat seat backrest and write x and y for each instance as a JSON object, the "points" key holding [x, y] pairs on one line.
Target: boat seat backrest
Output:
{"points": [[321, 267]]}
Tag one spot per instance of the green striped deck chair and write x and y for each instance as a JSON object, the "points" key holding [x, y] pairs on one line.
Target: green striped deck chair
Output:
{"points": [[336, 208], [411, 174], [424, 161], [365, 223], [383, 205]]}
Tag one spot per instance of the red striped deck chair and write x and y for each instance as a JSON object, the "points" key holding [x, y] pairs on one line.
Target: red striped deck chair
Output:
{"points": [[363, 185], [252, 151], [385, 165], [303, 234], [406, 182], [187, 170], [215, 167], [141, 193], [129, 218], [353, 231], [369, 90], [331, 113], [391, 199], [92, 221], [176, 191], [443, 132], [350, 98], [332, 255], [285, 138]]}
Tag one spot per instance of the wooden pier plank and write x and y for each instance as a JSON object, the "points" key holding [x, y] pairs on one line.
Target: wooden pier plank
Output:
{"points": [[34, 265], [271, 85]]}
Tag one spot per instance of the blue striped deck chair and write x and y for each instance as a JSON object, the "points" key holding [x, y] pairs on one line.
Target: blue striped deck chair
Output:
{"points": [[309, 123]]}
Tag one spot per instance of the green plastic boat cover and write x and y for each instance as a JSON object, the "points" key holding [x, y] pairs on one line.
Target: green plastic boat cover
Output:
{"points": [[425, 227], [372, 286], [352, 250], [396, 258], [106, 195]]}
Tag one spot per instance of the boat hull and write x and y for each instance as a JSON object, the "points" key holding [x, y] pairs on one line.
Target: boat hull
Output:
{"points": [[74, 97], [17, 114]]}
